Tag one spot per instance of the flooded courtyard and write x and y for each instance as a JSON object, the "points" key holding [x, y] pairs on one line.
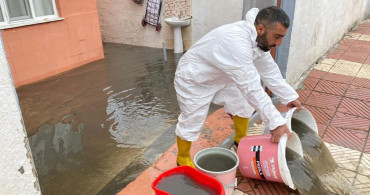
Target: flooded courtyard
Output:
{"points": [[93, 129]]}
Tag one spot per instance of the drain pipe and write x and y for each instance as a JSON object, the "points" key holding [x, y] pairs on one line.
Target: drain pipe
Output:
{"points": [[164, 51]]}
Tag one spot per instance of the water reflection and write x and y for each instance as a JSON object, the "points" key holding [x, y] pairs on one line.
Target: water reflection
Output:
{"points": [[53, 142], [87, 124]]}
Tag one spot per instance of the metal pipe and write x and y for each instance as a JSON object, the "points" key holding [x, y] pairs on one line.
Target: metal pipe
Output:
{"points": [[164, 51]]}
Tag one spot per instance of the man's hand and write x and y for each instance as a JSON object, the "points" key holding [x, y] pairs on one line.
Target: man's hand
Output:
{"points": [[278, 132], [295, 103]]}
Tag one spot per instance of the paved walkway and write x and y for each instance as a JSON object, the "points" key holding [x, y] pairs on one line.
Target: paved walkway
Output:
{"points": [[337, 92]]}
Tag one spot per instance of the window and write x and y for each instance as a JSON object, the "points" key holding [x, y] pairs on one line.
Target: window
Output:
{"points": [[14, 13]]}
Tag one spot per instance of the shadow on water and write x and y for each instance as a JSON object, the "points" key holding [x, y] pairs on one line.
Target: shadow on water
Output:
{"points": [[99, 121]]}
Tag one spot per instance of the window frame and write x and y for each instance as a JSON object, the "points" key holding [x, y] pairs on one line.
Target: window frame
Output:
{"points": [[8, 23]]}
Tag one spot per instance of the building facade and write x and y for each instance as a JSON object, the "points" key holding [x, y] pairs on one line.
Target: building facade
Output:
{"points": [[55, 36]]}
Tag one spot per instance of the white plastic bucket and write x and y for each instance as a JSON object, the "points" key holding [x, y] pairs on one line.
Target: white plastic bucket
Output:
{"points": [[303, 115], [227, 177]]}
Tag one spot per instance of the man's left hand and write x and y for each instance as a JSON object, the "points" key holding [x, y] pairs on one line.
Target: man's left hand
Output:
{"points": [[295, 103]]}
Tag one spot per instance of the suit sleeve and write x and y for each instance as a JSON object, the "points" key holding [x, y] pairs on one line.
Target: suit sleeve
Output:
{"points": [[272, 78]]}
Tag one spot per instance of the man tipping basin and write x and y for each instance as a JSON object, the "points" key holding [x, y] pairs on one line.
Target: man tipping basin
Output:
{"points": [[225, 67]]}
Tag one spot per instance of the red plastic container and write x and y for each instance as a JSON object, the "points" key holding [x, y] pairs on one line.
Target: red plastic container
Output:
{"points": [[194, 174]]}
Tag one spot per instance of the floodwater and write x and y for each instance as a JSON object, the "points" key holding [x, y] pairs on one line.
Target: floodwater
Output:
{"points": [[216, 162], [317, 172], [316, 154], [304, 178], [182, 184], [89, 127]]}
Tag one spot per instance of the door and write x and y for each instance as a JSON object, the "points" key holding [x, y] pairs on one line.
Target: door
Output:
{"points": [[260, 4]]}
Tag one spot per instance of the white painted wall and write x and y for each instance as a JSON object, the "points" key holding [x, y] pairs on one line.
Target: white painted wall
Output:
{"points": [[317, 26], [208, 15], [120, 22], [17, 172]]}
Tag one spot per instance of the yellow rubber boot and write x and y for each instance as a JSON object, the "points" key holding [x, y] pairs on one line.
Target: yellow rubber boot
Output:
{"points": [[241, 126], [183, 154]]}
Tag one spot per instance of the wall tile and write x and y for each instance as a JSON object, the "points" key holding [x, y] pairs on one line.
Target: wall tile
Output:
{"points": [[174, 7]]}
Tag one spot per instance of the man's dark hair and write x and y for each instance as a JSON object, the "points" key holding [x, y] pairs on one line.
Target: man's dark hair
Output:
{"points": [[270, 16]]}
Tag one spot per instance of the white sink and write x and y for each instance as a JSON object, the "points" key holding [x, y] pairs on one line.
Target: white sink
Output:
{"points": [[177, 23]]}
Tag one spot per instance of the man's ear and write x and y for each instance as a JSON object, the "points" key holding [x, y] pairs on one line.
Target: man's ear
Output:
{"points": [[260, 29]]}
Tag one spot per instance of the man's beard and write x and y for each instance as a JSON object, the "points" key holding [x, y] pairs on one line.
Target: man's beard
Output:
{"points": [[262, 42]]}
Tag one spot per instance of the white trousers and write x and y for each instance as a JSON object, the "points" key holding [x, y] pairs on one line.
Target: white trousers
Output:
{"points": [[194, 101]]}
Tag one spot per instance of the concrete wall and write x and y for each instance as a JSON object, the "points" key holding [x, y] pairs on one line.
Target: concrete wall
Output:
{"points": [[42, 50], [317, 26], [120, 22], [17, 172], [208, 15]]}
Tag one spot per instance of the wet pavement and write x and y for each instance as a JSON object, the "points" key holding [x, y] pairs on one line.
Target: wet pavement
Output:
{"points": [[337, 92], [94, 129]]}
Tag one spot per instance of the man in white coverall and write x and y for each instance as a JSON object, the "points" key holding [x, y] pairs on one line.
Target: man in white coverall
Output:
{"points": [[225, 67]]}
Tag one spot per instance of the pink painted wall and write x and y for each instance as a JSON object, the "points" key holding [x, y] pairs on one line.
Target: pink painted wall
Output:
{"points": [[43, 50]]}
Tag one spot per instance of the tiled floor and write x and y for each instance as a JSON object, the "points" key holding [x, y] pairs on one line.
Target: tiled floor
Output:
{"points": [[337, 93]]}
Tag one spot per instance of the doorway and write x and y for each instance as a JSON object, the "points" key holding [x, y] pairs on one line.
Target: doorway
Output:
{"points": [[281, 53]]}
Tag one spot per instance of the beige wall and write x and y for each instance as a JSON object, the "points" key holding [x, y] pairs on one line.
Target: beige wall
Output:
{"points": [[120, 22], [208, 15]]}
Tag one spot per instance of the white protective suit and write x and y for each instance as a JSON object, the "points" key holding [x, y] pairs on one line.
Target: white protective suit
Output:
{"points": [[225, 67]]}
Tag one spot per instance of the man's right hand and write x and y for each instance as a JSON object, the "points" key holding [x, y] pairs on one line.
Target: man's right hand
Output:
{"points": [[278, 132]]}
